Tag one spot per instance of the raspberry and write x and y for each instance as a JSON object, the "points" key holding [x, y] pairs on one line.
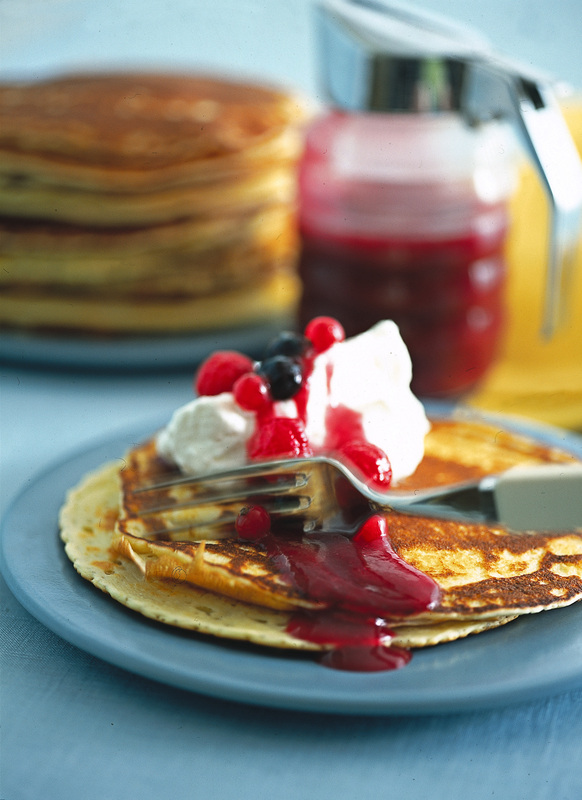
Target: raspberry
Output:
{"points": [[369, 460], [253, 522], [220, 371], [322, 332], [251, 392], [279, 437]]}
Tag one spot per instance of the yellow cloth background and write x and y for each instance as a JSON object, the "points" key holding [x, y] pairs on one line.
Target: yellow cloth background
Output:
{"points": [[533, 377]]}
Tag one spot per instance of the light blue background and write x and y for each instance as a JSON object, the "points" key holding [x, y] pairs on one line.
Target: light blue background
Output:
{"points": [[269, 39]]}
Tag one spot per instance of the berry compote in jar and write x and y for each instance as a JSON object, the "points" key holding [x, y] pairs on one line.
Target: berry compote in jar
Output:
{"points": [[404, 217]]}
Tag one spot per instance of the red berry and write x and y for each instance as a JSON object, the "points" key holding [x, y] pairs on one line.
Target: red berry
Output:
{"points": [[253, 522], [251, 392], [220, 371], [279, 437], [322, 332], [369, 460], [374, 529]]}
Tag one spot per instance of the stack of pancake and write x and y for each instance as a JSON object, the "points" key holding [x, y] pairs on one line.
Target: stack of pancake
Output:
{"points": [[140, 203], [231, 588]]}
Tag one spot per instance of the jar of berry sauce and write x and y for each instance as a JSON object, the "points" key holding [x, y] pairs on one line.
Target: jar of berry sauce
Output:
{"points": [[405, 181], [404, 217]]}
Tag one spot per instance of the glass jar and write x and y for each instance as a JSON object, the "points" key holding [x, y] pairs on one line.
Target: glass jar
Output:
{"points": [[404, 217]]}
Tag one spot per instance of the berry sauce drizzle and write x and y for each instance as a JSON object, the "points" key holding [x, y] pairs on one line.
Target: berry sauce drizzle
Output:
{"points": [[360, 583]]}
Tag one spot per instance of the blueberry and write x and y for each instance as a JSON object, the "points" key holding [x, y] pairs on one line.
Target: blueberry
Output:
{"points": [[289, 344], [283, 374]]}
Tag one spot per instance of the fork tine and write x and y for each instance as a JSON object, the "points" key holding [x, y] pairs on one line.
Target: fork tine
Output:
{"points": [[216, 526], [270, 501], [215, 500], [286, 507], [265, 469], [223, 498]]}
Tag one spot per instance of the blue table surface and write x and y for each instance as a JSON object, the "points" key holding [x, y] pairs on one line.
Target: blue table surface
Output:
{"points": [[76, 727]]}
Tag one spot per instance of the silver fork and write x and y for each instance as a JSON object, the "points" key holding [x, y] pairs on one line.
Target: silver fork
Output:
{"points": [[322, 493]]}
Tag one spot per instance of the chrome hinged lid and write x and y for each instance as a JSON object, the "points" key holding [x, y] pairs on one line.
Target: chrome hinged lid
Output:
{"points": [[384, 56]]}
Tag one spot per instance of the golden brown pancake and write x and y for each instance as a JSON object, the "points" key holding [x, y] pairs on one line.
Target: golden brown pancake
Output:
{"points": [[225, 250], [108, 209], [97, 313], [487, 575], [146, 203], [140, 120], [39, 169]]}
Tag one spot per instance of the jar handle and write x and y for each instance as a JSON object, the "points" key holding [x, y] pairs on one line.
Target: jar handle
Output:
{"points": [[500, 89]]}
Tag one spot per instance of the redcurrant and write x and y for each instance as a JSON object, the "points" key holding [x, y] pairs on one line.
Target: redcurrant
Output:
{"points": [[251, 392], [253, 522], [322, 332]]}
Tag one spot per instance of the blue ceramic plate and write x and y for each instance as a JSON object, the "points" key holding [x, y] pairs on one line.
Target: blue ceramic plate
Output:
{"points": [[528, 658], [132, 352]]}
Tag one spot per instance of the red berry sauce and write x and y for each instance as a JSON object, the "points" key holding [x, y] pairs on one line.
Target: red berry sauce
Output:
{"points": [[362, 584], [374, 659]]}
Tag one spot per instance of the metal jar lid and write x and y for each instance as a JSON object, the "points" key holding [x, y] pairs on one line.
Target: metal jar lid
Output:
{"points": [[385, 56], [377, 56]]}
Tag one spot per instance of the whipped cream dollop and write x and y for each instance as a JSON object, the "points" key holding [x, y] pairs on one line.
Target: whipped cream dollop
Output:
{"points": [[369, 374]]}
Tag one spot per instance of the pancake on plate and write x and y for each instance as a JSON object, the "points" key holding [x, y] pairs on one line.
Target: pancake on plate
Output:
{"points": [[485, 576], [138, 202]]}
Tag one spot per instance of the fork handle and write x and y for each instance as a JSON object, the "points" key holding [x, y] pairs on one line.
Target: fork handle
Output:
{"points": [[546, 497]]}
